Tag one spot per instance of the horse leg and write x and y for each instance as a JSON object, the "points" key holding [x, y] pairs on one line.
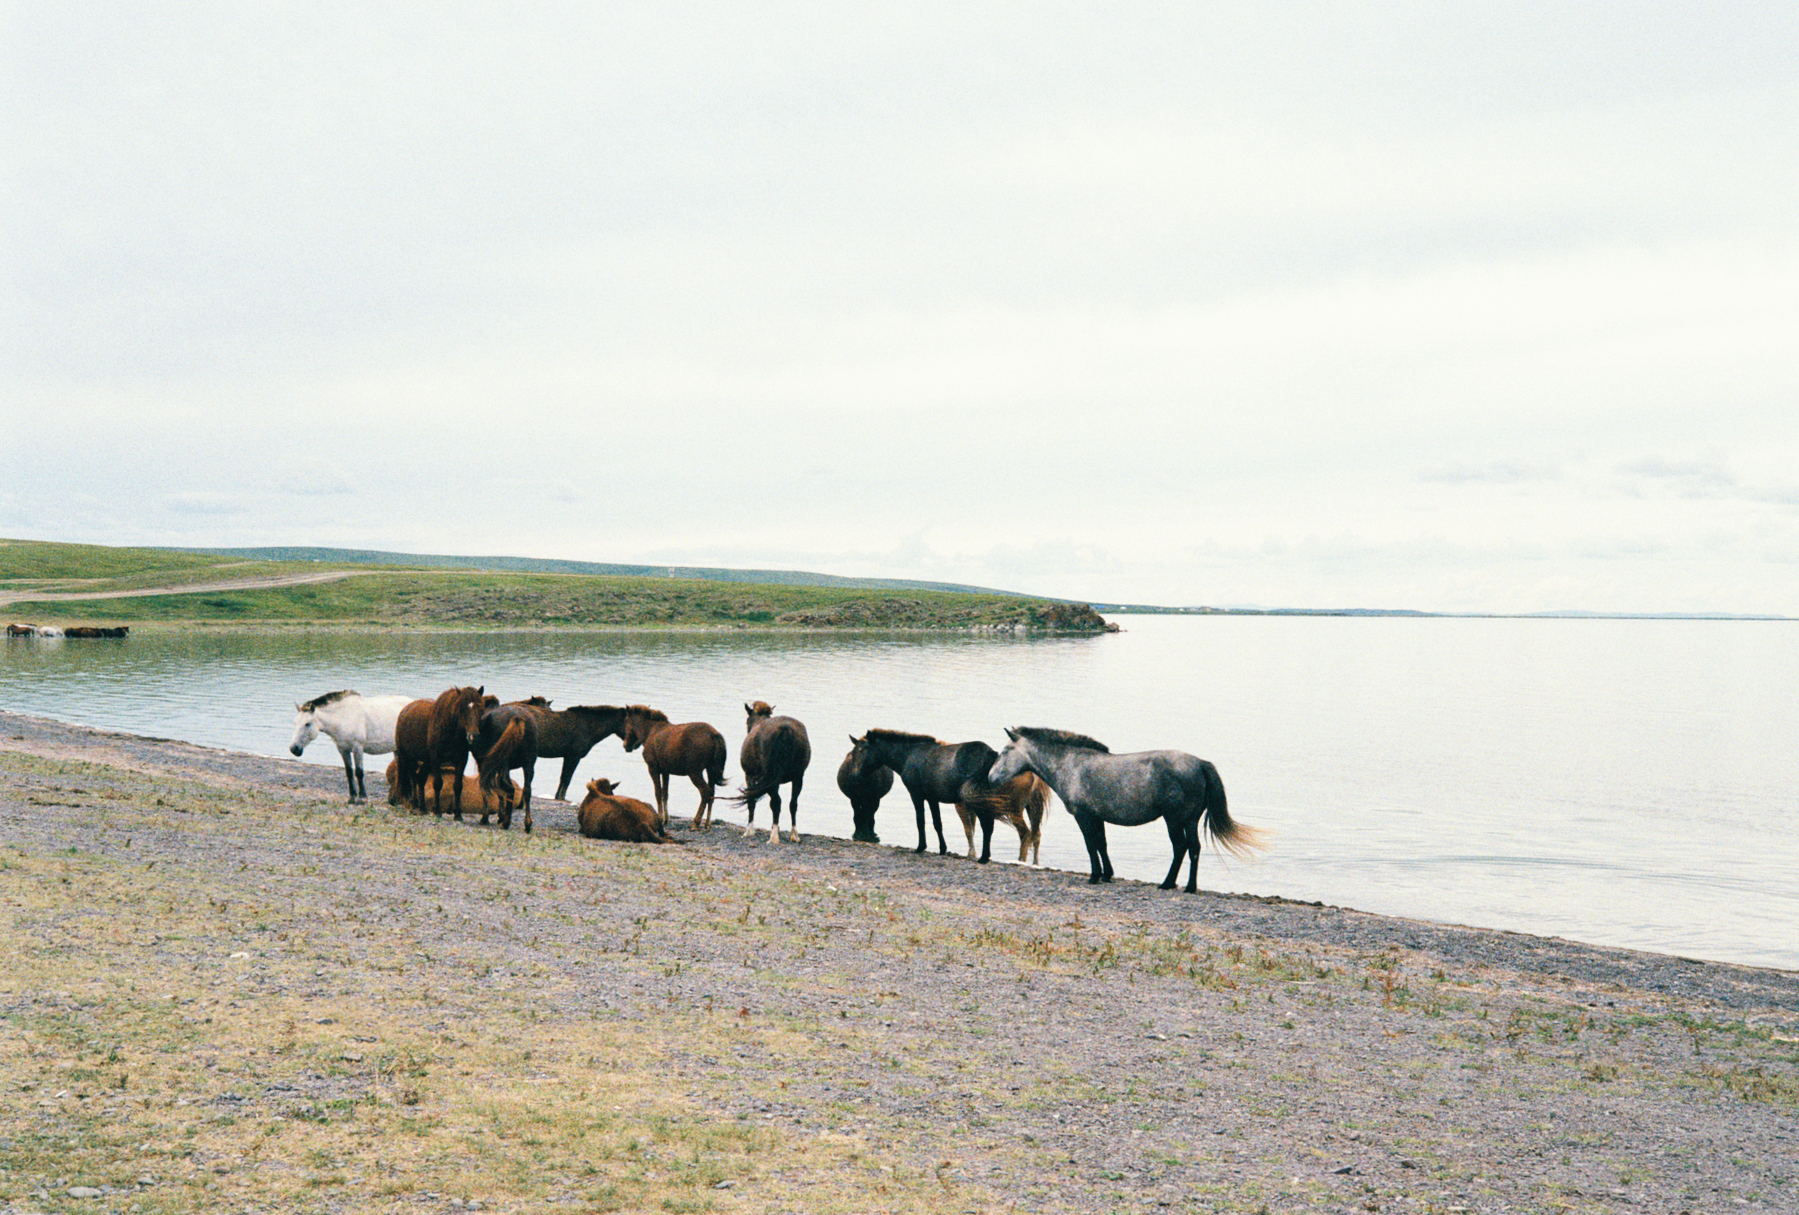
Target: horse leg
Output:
{"points": [[986, 817], [967, 826], [918, 809], [1177, 836], [700, 782], [349, 772], [774, 815], [749, 824], [568, 774], [1193, 850], [1105, 853], [530, 767], [1087, 823], [937, 822], [793, 808]]}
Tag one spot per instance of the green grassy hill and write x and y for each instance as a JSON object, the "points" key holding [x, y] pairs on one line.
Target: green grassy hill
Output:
{"points": [[229, 588]]}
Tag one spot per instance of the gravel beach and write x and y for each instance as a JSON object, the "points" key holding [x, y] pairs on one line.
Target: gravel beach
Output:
{"points": [[889, 1031]]}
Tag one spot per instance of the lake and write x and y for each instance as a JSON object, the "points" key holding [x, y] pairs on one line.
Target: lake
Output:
{"points": [[1621, 782]]}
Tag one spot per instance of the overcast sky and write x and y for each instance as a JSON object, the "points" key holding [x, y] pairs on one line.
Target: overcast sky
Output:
{"points": [[1450, 306]]}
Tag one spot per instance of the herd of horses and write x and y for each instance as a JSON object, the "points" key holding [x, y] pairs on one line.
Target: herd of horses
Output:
{"points": [[432, 741], [52, 632]]}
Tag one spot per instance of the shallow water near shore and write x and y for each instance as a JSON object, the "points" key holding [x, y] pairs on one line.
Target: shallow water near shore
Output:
{"points": [[1622, 782]]}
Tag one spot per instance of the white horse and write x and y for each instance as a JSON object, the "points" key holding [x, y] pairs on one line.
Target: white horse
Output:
{"points": [[356, 723]]}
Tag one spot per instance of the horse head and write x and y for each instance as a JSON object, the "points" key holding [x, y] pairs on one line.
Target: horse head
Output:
{"points": [[1011, 761], [306, 728], [760, 709]]}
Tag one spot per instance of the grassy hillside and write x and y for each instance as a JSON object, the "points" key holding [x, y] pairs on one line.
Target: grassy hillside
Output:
{"points": [[383, 595]]}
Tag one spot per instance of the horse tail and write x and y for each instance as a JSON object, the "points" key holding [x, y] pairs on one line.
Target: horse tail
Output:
{"points": [[715, 767], [504, 753], [1238, 839]]}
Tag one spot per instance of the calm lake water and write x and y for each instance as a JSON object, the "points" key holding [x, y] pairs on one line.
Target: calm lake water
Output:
{"points": [[1623, 782]]}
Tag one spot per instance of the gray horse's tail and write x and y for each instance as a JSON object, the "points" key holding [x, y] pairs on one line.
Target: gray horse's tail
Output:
{"points": [[1238, 839]]}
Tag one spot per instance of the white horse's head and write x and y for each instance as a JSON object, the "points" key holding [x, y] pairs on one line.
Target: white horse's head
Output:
{"points": [[1011, 761], [306, 728]]}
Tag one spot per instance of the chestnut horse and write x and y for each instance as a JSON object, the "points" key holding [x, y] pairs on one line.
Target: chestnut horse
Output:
{"points": [[430, 735], [569, 734], [775, 752], [606, 816], [475, 799], [865, 786], [1021, 802], [693, 749], [507, 739]]}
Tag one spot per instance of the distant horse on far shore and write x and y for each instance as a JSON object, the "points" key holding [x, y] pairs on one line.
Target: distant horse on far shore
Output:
{"points": [[1129, 790], [358, 724], [775, 752], [431, 735], [692, 749]]}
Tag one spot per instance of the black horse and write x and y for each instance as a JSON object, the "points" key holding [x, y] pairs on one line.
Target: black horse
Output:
{"points": [[865, 787], [935, 772]]}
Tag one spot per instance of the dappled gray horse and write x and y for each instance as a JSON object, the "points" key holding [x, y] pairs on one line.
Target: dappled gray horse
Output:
{"points": [[1128, 790]]}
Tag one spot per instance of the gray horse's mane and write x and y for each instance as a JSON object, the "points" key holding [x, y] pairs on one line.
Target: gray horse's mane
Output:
{"points": [[899, 736], [329, 698], [1062, 738]]}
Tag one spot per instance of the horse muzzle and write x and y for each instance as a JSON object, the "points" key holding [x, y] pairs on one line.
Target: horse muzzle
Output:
{"points": [[297, 749]]}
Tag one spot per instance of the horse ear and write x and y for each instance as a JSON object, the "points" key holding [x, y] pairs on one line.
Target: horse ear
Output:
{"points": [[1011, 734], [750, 711]]}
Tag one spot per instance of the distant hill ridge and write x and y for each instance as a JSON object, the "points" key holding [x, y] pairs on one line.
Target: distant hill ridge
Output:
{"points": [[546, 565]]}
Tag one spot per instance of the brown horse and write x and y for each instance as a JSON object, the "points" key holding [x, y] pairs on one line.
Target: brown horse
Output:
{"points": [[569, 734], [507, 739], [475, 799], [693, 749], [865, 787], [1021, 802], [434, 734], [775, 752], [606, 816]]}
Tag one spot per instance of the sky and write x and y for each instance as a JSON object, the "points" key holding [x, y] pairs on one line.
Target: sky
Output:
{"points": [[1486, 307]]}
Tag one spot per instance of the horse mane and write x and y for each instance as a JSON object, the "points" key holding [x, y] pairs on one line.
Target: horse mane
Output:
{"points": [[443, 709], [329, 698], [536, 702], [761, 708], [646, 711], [1063, 738], [606, 709], [899, 736]]}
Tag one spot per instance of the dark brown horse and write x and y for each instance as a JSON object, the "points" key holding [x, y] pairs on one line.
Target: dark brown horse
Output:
{"points": [[693, 749], [569, 734], [431, 735], [775, 752], [936, 772], [606, 816], [507, 739], [865, 786]]}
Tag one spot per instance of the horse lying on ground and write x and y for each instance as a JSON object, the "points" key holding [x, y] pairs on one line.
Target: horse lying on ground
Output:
{"points": [[475, 799], [606, 816], [358, 724], [775, 752], [1129, 790], [694, 750], [1021, 802], [92, 631], [865, 785]]}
